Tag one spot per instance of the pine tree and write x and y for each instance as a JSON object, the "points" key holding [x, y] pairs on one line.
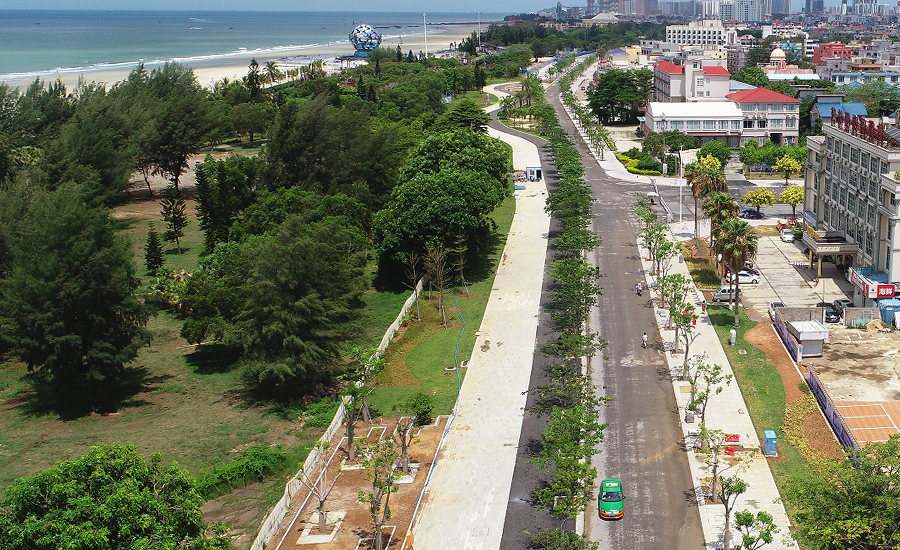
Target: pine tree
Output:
{"points": [[173, 214], [153, 251]]}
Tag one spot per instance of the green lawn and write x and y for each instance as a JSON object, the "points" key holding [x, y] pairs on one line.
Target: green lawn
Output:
{"points": [[417, 361]]}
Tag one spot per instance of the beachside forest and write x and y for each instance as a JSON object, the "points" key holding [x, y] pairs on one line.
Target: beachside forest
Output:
{"points": [[192, 278], [237, 301]]}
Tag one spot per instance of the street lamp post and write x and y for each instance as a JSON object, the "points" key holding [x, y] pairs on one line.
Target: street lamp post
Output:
{"points": [[662, 118], [681, 171], [425, 27]]}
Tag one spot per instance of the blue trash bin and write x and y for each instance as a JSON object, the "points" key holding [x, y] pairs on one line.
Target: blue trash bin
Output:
{"points": [[771, 447]]}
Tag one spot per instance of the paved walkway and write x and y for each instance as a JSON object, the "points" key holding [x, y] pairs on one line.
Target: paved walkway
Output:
{"points": [[465, 503]]}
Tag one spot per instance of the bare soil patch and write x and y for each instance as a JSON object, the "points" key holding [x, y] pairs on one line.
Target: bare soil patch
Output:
{"points": [[358, 523], [817, 430]]}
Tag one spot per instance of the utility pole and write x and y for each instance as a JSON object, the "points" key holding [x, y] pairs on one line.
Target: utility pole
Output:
{"points": [[479, 31], [681, 170], [425, 26]]}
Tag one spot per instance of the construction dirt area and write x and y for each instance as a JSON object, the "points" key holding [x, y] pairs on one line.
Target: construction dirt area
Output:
{"points": [[859, 370], [349, 522]]}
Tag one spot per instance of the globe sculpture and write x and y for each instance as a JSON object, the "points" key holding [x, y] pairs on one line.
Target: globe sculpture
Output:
{"points": [[365, 39]]}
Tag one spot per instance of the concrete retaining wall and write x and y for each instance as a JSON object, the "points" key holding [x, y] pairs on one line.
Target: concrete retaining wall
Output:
{"points": [[272, 523]]}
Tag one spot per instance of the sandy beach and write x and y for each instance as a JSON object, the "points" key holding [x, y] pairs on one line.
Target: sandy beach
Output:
{"points": [[208, 72]]}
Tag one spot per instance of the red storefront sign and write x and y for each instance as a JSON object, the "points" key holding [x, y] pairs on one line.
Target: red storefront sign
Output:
{"points": [[870, 289], [885, 291]]}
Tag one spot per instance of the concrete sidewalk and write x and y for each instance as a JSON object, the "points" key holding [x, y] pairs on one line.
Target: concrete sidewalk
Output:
{"points": [[465, 501]]}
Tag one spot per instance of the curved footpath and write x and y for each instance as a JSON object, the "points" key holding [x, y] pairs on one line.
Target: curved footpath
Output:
{"points": [[464, 505]]}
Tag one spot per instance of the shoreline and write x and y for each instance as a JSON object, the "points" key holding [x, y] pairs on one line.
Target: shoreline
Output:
{"points": [[234, 66]]}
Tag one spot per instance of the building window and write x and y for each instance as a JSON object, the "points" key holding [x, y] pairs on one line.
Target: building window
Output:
{"points": [[748, 123], [830, 144], [843, 174], [761, 123], [749, 107], [871, 216], [846, 152], [854, 156], [827, 213], [707, 93], [775, 107], [828, 164], [735, 124], [677, 124], [791, 122], [873, 186], [699, 82], [853, 179], [870, 243], [693, 125], [873, 166], [843, 200], [776, 122], [851, 202], [864, 160], [709, 124], [723, 125], [884, 167], [827, 186]]}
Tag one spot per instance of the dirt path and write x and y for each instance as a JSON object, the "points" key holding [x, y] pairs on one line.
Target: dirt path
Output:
{"points": [[817, 430]]}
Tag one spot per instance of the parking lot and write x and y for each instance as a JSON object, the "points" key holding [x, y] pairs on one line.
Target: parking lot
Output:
{"points": [[785, 276]]}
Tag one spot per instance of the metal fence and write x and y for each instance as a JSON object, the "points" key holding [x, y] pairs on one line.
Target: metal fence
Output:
{"points": [[794, 347], [845, 436]]}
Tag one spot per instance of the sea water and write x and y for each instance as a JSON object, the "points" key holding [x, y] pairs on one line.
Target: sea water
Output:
{"points": [[38, 43]]}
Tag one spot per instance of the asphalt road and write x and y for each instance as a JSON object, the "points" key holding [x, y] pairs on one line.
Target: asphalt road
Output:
{"points": [[642, 445]]}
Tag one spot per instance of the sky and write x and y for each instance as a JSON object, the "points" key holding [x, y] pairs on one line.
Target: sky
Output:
{"points": [[491, 6]]}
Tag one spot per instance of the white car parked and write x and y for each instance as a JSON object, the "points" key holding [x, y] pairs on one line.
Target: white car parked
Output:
{"points": [[746, 278], [787, 235]]}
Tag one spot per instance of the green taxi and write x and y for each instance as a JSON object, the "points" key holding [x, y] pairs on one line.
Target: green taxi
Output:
{"points": [[611, 501]]}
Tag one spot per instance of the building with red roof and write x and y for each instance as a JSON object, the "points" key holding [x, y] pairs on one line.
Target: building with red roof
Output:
{"points": [[768, 116], [692, 80]]}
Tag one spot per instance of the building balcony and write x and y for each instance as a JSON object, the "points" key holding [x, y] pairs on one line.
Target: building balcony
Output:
{"points": [[890, 183]]}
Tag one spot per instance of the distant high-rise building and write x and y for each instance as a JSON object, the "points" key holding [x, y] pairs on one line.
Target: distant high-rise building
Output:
{"points": [[814, 6], [781, 6]]}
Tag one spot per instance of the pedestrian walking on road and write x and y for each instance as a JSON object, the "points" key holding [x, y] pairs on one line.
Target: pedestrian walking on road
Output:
{"points": [[644, 341]]}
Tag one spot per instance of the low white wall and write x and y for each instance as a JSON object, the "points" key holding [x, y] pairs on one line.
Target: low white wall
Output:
{"points": [[270, 526]]}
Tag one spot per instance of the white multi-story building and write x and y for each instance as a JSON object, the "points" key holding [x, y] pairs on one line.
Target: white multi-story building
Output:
{"points": [[714, 121], [693, 80], [851, 204], [701, 33], [758, 114], [768, 116]]}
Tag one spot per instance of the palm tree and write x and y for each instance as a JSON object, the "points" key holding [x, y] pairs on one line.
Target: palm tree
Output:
{"points": [[704, 178], [506, 106], [718, 207], [272, 72], [737, 243]]}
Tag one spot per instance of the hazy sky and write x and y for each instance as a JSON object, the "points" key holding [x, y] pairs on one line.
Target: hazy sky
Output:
{"points": [[490, 6]]}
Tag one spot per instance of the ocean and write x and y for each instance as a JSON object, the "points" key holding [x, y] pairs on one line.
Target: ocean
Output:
{"points": [[41, 43]]}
